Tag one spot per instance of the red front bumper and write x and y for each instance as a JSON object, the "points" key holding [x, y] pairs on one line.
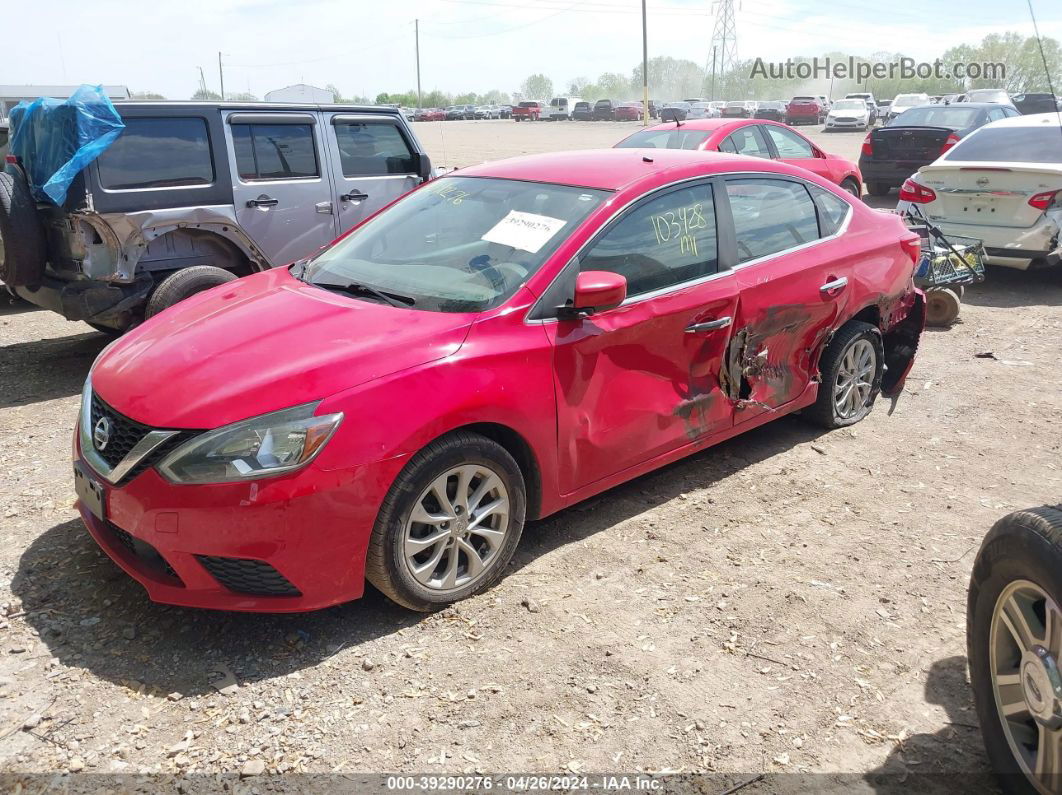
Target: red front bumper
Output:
{"points": [[312, 528]]}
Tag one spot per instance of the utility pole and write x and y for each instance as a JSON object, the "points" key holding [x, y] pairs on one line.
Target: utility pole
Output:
{"points": [[645, 70], [714, 48], [724, 38], [416, 33], [221, 77]]}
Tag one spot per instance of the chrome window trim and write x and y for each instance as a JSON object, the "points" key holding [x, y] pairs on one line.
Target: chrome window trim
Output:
{"points": [[695, 282]]}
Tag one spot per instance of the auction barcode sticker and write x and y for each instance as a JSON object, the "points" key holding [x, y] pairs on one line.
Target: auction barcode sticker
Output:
{"points": [[525, 231]]}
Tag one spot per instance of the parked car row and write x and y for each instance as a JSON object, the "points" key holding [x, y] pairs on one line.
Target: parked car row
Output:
{"points": [[467, 111]]}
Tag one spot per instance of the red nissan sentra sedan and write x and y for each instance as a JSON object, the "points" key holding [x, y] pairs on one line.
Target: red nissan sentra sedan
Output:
{"points": [[497, 345], [753, 137]]}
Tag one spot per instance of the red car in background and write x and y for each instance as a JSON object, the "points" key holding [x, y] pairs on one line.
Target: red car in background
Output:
{"points": [[495, 346], [527, 111], [805, 110], [628, 111], [755, 137]]}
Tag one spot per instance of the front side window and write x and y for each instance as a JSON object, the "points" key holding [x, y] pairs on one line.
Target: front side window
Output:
{"points": [[458, 244], [274, 151], [158, 153], [371, 148], [770, 215], [746, 141], [665, 241], [789, 145]]}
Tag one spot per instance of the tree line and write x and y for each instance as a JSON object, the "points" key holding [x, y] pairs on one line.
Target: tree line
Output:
{"points": [[677, 78]]}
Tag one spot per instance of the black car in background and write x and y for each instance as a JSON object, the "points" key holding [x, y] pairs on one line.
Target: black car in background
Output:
{"points": [[582, 111], [919, 136], [604, 110], [774, 111], [674, 111], [1036, 103]]}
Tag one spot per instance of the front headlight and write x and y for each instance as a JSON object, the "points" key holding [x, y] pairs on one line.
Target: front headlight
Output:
{"points": [[271, 444]]}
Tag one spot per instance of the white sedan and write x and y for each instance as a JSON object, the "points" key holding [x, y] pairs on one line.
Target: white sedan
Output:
{"points": [[1001, 184], [848, 114]]}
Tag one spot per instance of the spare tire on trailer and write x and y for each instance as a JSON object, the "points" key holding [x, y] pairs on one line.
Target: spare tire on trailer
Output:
{"points": [[183, 284], [21, 234]]}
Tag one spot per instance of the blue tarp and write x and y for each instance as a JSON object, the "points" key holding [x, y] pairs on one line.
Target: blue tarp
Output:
{"points": [[55, 138]]}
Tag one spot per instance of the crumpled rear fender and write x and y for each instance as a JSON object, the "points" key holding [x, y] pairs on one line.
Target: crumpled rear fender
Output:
{"points": [[900, 341]]}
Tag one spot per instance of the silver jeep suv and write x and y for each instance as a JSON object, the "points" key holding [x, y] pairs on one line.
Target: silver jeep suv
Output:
{"points": [[191, 195]]}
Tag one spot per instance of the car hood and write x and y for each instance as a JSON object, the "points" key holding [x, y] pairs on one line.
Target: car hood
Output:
{"points": [[263, 343]]}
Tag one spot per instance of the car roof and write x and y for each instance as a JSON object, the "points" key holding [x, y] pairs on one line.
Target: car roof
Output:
{"points": [[1051, 118], [304, 106], [615, 169]]}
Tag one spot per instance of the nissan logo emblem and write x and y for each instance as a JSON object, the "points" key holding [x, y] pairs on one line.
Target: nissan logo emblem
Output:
{"points": [[101, 434]]}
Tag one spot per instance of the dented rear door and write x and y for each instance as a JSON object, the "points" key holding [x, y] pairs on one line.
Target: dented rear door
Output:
{"points": [[791, 294]]}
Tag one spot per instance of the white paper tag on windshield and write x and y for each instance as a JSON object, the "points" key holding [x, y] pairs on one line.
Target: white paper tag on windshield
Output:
{"points": [[525, 231]]}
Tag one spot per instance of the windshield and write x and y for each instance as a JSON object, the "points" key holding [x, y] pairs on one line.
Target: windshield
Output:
{"points": [[987, 95], [459, 244], [671, 138], [1042, 144], [909, 100], [849, 104], [954, 116]]}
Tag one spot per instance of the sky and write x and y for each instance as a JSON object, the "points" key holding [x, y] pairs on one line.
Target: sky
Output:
{"points": [[365, 48]]}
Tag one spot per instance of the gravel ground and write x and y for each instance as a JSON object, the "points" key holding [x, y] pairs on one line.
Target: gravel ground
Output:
{"points": [[791, 600]]}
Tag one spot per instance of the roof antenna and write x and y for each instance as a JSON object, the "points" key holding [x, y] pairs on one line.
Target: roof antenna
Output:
{"points": [[1047, 71]]}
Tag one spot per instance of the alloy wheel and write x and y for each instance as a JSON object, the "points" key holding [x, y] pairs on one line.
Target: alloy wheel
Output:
{"points": [[457, 528], [855, 379], [1025, 644]]}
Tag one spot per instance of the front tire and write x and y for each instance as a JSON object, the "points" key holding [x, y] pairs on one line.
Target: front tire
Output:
{"points": [[449, 525], [851, 369], [1014, 639], [852, 187], [184, 284]]}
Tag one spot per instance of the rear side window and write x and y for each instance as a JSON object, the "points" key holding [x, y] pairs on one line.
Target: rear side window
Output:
{"points": [[746, 141], [158, 153], [274, 151], [1040, 144], [367, 149], [832, 211], [679, 138], [663, 242], [770, 215], [790, 146]]}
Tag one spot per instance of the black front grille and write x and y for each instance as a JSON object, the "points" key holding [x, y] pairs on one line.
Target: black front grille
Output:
{"points": [[144, 552], [243, 575], [123, 434]]}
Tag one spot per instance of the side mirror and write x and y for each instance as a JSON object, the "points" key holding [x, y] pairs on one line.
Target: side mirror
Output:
{"points": [[422, 164], [596, 291]]}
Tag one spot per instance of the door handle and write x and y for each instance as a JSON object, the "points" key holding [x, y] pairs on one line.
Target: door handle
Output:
{"points": [[835, 286], [263, 201], [710, 325], [354, 196]]}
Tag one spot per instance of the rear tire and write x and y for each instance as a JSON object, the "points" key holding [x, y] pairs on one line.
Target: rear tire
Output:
{"points": [[22, 247], [851, 365], [394, 550], [878, 189], [942, 307], [183, 284], [852, 187]]}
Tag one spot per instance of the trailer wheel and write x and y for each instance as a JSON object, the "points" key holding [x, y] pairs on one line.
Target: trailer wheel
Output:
{"points": [[942, 306]]}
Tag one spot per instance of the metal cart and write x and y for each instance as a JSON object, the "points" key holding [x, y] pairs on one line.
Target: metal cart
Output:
{"points": [[947, 265]]}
